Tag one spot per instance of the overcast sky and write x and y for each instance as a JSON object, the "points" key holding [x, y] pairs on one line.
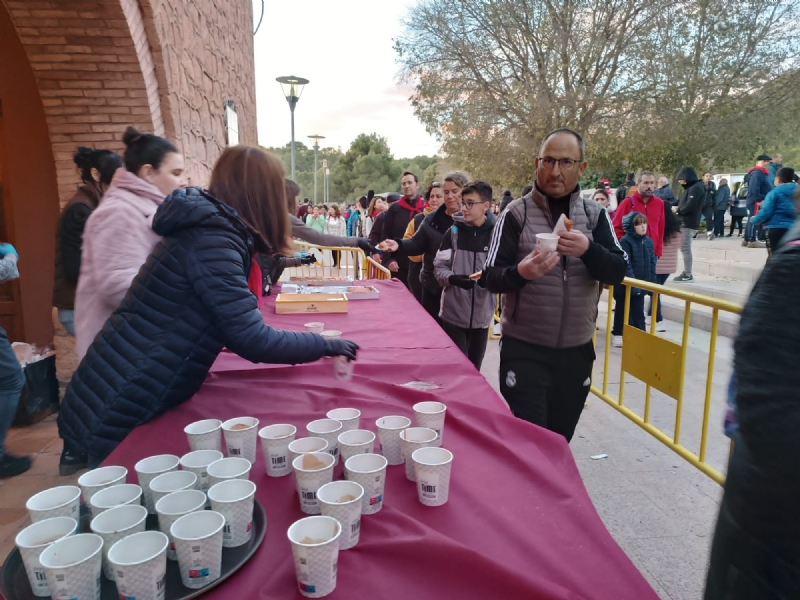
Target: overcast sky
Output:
{"points": [[344, 47]]}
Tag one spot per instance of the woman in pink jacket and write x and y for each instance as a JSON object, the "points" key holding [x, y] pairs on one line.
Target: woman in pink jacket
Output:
{"points": [[119, 236]]}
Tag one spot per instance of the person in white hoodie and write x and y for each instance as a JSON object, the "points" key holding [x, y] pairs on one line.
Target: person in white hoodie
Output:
{"points": [[119, 236]]}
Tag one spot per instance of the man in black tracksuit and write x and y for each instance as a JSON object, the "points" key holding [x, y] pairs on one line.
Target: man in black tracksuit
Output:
{"points": [[549, 299], [396, 221], [690, 209]]}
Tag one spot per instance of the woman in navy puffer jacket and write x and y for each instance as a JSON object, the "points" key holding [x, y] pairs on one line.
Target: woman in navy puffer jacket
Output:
{"points": [[188, 301]]}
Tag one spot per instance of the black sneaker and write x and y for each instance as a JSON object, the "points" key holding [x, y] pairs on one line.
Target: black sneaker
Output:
{"points": [[684, 277], [13, 465], [72, 462]]}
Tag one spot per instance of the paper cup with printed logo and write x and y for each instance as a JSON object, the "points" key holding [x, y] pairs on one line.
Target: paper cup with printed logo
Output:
{"points": [[33, 540], [204, 435], [234, 500], [72, 566], [198, 542], [309, 478], [228, 468], [140, 565], [315, 548], [61, 501], [356, 441], [116, 523], [343, 368], [148, 469], [275, 440], [174, 481], [100, 479], [328, 430], [342, 501], [431, 415], [197, 462], [306, 445], [369, 470], [412, 439], [348, 417], [241, 435], [389, 429], [172, 507], [119, 495], [433, 467]]}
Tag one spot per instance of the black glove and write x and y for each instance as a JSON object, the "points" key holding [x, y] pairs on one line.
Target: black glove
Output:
{"points": [[336, 347], [308, 259], [369, 249], [462, 281]]}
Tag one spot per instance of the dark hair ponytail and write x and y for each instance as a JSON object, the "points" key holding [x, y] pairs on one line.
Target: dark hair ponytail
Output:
{"points": [[105, 161], [144, 149]]}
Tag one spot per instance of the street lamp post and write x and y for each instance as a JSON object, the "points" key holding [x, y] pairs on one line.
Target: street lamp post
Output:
{"points": [[316, 139], [324, 181], [292, 88]]}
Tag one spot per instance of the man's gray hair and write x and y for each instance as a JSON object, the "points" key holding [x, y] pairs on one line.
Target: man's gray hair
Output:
{"points": [[457, 177], [571, 132], [663, 180], [643, 173]]}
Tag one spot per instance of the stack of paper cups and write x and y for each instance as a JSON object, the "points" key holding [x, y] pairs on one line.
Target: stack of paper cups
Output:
{"points": [[234, 500], [431, 415], [412, 439], [315, 548], [241, 435], [148, 469], [33, 540], [204, 435], [433, 475], [275, 440], [369, 470], [140, 565], [198, 542], [62, 501], [356, 441], [342, 500], [310, 478], [72, 566], [172, 507], [100, 479], [389, 429], [119, 495], [115, 524]]}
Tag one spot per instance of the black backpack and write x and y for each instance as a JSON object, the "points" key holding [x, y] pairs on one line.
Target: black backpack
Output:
{"points": [[743, 189]]}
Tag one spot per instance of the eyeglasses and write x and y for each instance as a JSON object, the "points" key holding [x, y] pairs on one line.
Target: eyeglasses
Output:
{"points": [[469, 204], [566, 164]]}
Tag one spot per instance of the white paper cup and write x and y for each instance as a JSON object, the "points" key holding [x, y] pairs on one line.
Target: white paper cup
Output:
{"points": [[72, 566], [547, 241], [369, 470], [172, 507], [433, 466], [342, 501], [118, 495], [174, 481], [356, 441], [148, 469], [117, 523], [431, 415], [343, 368], [33, 540], [328, 430], [100, 479], [389, 429], [241, 443], [198, 541], [61, 501], [197, 462], [348, 417], [412, 439], [140, 565], [331, 334], [228, 468], [315, 327], [275, 440], [308, 482], [315, 563], [306, 445], [234, 500], [204, 435]]}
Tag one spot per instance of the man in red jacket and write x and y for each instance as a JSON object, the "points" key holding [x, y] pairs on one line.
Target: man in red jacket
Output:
{"points": [[651, 206]]}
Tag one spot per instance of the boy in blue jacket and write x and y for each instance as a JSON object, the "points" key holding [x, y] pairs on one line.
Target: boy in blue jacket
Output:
{"points": [[641, 265], [778, 213]]}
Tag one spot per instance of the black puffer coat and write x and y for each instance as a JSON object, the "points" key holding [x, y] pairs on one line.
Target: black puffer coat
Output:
{"points": [[690, 205], [189, 299]]}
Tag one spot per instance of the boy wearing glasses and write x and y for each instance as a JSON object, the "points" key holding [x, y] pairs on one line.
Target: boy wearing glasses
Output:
{"points": [[466, 307]]}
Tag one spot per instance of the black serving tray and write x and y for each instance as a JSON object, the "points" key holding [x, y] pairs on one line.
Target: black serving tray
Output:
{"points": [[14, 582]]}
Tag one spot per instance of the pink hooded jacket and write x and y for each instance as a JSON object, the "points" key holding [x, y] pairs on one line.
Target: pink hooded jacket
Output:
{"points": [[116, 242]]}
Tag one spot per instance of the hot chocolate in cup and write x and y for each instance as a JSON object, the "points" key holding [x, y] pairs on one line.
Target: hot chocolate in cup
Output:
{"points": [[547, 241]]}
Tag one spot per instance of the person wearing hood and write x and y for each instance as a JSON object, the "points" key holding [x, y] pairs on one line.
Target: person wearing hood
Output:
{"points": [[119, 235], [190, 299], [759, 184], [505, 200], [433, 198], [651, 206], [467, 308], [97, 168], [721, 202], [397, 218], [778, 212], [690, 209], [640, 250]]}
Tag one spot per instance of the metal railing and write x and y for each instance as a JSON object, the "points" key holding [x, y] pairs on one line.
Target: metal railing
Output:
{"points": [[661, 364], [333, 261]]}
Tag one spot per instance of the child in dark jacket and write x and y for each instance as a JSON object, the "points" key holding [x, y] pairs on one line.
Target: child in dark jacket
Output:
{"points": [[467, 308], [641, 265]]}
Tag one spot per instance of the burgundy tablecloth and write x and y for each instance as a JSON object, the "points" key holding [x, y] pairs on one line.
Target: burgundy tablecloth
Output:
{"points": [[518, 525]]}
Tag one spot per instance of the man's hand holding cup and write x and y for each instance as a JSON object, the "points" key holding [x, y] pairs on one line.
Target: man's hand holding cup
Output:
{"points": [[537, 263]]}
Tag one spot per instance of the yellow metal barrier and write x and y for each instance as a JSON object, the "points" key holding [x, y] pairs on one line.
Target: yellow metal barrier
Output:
{"points": [[335, 261], [661, 364]]}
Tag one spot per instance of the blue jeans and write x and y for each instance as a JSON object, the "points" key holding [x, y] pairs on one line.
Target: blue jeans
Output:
{"points": [[750, 229], [719, 222], [12, 380], [67, 319], [660, 279]]}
